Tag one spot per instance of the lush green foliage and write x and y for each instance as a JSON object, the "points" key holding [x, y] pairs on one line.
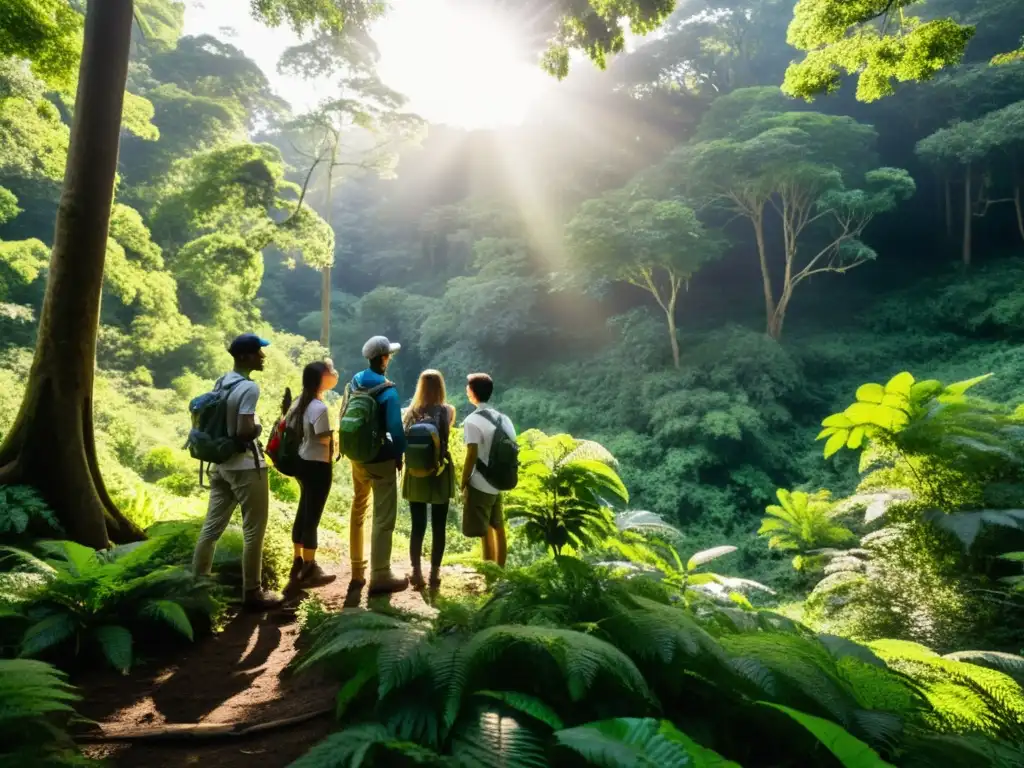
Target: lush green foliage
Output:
{"points": [[37, 703], [457, 682]]}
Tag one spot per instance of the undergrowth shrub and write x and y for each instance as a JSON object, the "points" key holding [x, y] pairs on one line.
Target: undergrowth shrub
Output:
{"points": [[37, 703], [88, 603], [562, 644]]}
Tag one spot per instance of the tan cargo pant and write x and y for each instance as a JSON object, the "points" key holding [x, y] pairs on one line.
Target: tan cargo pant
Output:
{"points": [[382, 479], [249, 489]]}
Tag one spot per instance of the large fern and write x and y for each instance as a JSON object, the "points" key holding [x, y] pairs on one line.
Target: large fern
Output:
{"points": [[35, 704], [88, 601]]}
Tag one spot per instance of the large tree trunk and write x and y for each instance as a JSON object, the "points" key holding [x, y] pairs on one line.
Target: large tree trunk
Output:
{"points": [[766, 278], [968, 219], [51, 445]]}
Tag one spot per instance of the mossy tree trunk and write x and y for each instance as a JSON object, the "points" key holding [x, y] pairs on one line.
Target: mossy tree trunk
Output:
{"points": [[51, 445]]}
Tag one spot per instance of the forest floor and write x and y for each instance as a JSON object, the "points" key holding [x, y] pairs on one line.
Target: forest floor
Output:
{"points": [[236, 677]]}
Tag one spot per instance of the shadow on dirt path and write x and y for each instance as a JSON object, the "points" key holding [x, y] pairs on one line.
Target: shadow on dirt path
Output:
{"points": [[237, 676]]}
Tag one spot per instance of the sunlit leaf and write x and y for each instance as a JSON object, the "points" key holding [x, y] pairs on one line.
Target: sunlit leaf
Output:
{"points": [[870, 393]]}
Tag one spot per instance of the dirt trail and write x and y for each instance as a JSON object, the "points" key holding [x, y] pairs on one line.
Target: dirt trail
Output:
{"points": [[236, 676]]}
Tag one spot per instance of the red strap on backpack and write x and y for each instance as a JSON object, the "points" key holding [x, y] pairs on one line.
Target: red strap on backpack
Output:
{"points": [[275, 440]]}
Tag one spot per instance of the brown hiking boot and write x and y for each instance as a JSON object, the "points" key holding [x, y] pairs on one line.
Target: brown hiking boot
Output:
{"points": [[293, 576], [261, 600], [388, 585], [435, 581], [313, 575]]}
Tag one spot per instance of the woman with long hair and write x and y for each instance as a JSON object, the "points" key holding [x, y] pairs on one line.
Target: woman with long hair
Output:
{"points": [[428, 480], [314, 470]]}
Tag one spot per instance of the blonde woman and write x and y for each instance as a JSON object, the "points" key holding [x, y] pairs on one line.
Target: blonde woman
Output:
{"points": [[429, 477]]}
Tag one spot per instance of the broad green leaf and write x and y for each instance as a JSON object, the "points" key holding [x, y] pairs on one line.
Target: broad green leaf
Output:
{"points": [[856, 438], [848, 749], [899, 402], [837, 441], [170, 613], [900, 384], [840, 420], [47, 633], [702, 756], [1014, 556], [826, 432], [352, 688], [870, 393], [957, 389], [116, 644]]}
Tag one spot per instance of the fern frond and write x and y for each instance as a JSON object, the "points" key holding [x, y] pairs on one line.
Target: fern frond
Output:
{"points": [[528, 705], [491, 740], [580, 657], [48, 633], [353, 747]]}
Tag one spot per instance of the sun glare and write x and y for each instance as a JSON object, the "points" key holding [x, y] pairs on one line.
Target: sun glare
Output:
{"points": [[457, 66]]}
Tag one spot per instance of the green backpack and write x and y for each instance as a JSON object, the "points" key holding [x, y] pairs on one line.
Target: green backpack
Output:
{"points": [[502, 467], [208, 440], [361, 433]]}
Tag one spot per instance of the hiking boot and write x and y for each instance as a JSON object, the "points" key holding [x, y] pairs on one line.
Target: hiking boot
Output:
{"points": [[388, 585], [358, 580], [416, 580], [293, 576], [313, 575], [261, 600], [435, 581]]}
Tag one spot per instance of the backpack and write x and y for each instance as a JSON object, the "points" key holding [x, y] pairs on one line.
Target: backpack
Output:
{"points": [[502, 467], [361, 433], [283, 448], [208, 440], [426, 450]]}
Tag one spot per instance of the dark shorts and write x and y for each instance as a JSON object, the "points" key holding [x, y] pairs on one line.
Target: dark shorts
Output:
{"points": [[480, 512]]}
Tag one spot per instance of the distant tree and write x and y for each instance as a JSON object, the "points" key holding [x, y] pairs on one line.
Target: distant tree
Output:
{"points": [[814, 172], [979, 152], [46, 33], [357, 132], [655, 245], [873, 39]]}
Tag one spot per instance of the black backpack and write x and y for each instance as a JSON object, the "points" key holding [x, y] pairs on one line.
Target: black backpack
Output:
{"points": [[502, 467]]}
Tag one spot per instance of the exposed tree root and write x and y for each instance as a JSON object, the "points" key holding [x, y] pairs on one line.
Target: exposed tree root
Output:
{"points": [[192, 731]]}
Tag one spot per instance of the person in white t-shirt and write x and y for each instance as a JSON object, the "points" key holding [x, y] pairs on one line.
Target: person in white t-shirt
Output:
{"points": [[241, 481], [482, 515], [314, 472]]}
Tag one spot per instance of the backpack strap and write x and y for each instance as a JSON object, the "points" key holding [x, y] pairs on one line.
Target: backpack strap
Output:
{"points": [[374, 391], [492, 416]]}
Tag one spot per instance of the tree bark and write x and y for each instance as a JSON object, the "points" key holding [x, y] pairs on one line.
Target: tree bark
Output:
{"points": [[968, 219], [670, 314], [51, 445], [766, 278], [325, 287]]}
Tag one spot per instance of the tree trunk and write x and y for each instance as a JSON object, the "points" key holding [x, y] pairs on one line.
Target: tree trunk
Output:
{"points": [[51, 445], [968, 219], [670, 316], [766, 278], [778, 319], [325, 287]]}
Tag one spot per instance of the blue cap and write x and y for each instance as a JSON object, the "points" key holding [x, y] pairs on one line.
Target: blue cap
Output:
{"points": [[246, 344]]}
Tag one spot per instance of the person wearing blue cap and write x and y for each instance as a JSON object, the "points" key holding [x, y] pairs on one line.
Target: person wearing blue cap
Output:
{"points": [[241, 480]]}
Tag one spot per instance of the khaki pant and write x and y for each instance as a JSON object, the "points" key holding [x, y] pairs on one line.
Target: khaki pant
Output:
{"points": [[248, 488], [382, 479]]}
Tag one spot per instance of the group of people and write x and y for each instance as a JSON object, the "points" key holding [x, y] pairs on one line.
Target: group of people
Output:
{"points": [[241, 480]]}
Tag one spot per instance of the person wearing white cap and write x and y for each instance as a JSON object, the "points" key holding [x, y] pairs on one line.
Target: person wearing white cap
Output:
{"points": [[379, 475]]}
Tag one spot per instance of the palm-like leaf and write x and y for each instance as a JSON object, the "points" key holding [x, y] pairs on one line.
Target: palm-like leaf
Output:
{"points": [[353, 747], [491, 740]]}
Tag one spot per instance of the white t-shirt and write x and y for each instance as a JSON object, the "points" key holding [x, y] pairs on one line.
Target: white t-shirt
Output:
{"points": [[480, 432], [242, 402], [316, 433]]}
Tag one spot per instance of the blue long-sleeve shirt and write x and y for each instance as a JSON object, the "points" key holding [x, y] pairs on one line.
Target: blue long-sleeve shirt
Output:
{"points": [[392, 413]]}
